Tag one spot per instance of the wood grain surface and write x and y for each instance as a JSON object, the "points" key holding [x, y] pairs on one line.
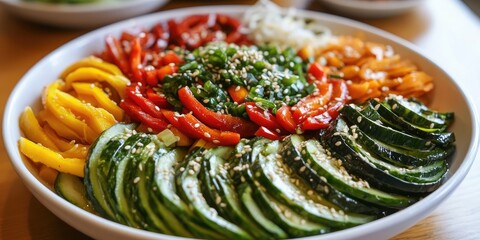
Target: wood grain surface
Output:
{"points": [[448, 31]]}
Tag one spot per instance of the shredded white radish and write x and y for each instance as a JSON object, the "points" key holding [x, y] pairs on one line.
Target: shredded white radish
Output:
{"points": [[267, 23]]}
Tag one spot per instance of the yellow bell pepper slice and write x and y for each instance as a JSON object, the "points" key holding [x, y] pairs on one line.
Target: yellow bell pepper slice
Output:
{"points": [[87, 99], [50, 158], [64, 115], [60, 129], [67, 148], [100, 97], [32, 129], [90, 74], [97, 119], [76, 151], [48, 175], [92, 61]]}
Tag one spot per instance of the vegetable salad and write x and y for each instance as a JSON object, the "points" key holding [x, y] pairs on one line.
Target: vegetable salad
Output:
{"points": [[209, 127]]}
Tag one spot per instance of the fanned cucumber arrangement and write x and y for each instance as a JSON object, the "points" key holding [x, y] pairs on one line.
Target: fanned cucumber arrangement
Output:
{"points": [[375, 159]]}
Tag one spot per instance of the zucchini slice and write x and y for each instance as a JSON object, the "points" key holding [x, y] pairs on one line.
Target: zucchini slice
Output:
{"points": [[418, 114], [395, 155], [383, 133], [437, 136], [370, 167], [270, 173], [334, 172], [292, 157]]}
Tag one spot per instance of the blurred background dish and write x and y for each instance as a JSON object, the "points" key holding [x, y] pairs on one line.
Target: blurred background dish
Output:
{"points": [[370, 8], [80, 15]]}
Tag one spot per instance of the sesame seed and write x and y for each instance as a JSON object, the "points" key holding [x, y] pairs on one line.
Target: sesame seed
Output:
{"points": [[207, 135], [359, 119], [136, 180], [338, 143]]}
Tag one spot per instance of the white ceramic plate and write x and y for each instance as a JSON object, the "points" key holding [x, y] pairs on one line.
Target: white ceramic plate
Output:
{"points": [[371, 8], [81, 15], [28, 91]]}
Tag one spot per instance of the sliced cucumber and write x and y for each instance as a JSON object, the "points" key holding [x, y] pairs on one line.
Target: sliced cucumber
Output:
{"points": [[119, 179], [334, 172], [222, 192], [295, 225], [273, 175], [384, 175], [292, 157], [72, 189], [395, 155], [189, 190], [437, 136], [94, 180], [383, 133], [140, 192], [254, 211], [418, 114]]}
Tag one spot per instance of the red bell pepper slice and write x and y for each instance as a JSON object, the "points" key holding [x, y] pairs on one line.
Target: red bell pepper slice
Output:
{"points": [[190, 125], [262, 117], [171, 57], [285, 119], [339, 97], [115, 50], [157, 98], [151, 77], [135, 112], [317, 122], [267, 133], [304, 108], [135, 93], [161, 39], [166, 70], [172, 118], [175, 33], [194, 31], [224, 122], [316, 71], [136, 61], [321, 118], [237, 93]]}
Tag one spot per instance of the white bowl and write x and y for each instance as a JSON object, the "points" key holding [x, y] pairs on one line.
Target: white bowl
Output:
{"points": [[28, 90], [371, 8], [81, 15]]}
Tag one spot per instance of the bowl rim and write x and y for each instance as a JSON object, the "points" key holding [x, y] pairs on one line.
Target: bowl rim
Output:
{"points": [[375, 5], [78, 8], [37, 188]]}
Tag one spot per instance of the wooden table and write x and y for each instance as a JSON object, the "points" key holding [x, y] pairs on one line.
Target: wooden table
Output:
{"points": [[447, 31]]}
